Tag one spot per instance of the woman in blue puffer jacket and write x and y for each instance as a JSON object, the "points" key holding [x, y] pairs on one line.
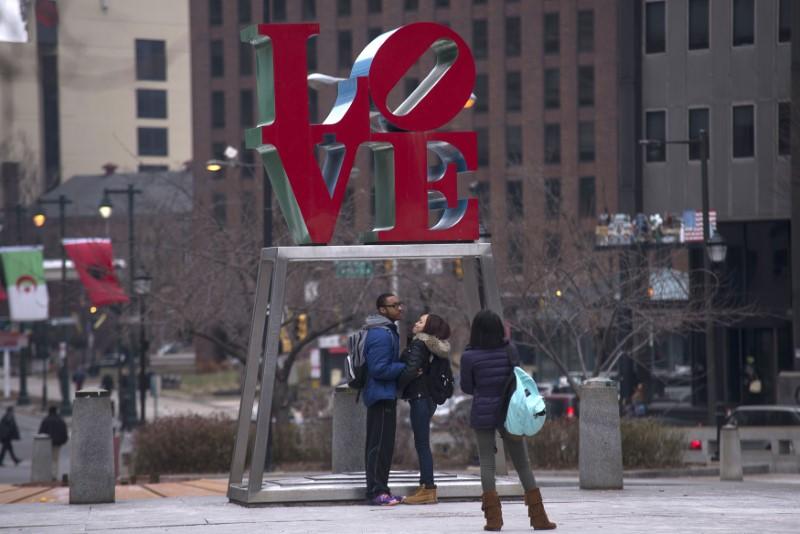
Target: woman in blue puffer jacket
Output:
{"points": [[486, 365]]}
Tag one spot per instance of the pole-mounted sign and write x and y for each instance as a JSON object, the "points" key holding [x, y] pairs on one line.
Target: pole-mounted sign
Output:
{"points": [[310, 197]]}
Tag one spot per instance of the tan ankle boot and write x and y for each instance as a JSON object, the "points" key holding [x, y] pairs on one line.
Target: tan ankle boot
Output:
{"points": [[422, 496], [492, 510], [539, 520]]}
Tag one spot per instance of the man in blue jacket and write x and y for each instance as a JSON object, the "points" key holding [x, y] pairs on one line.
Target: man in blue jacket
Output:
{"points": [[382, 354]]}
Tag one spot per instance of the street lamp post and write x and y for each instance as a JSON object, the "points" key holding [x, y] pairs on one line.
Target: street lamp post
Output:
{"points": [[714, 249], [105, 210], [142, 287], [39, 219], [23, 399]]}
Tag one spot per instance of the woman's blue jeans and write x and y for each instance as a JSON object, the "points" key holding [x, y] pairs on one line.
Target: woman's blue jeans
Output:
{"points": [[421, 413]]}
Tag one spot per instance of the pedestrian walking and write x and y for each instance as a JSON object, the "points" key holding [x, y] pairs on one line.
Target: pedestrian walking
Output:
{"points": [[430, 341], [486, 365], [8, 432], [54, 426], [382, 356], [79, 377]]}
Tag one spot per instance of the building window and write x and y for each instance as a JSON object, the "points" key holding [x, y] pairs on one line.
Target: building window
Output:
{"points": [[514, 204], [246, 118], [483, 146], [372, 33], [655, 28], [245, 59], [411, 5], [343, 8], [552, 143], [552, 197], [552, 98], [245, 12], [218, 153], [513, 145], [698, 24], [743, 132], [698, 120], [481, 93], [219, 209], [587, 197], [215, 12], [247, 215], [313, 106], [309, 9], [152, 141], [586, 86], [784, 128], [151, 104], [656, 129], [482, 191], [480, 39], [153, 168], [550, 34], [513, 37], [785, 21], [374, 6], [265, 13], [247, 156], [743, 22], [344, 49], [552, 246], [515, 257], [279, 10], [311, 53], [151, 60], [586, 141], [513, 91], [586, 31], [442, 3], [217, 109], [217, 59]]}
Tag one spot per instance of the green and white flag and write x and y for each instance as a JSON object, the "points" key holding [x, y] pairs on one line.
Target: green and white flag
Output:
{"points": [[23, 268]]}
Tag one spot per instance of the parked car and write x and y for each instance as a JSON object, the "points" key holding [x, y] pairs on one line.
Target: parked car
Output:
{"points": [[765, 415], [561, 405]]}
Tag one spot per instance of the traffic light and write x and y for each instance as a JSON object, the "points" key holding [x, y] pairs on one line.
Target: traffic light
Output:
{"points": [[301, 327], [458, 268], [286, 342]]}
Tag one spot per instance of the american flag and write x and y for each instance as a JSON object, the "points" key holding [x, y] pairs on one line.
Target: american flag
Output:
{"points": [[693, 225]]}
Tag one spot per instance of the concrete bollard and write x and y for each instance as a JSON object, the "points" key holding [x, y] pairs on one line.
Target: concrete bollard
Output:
{"points": [[349, 431], [92, 460], [42, 459], [600, 456], [730, 454]]}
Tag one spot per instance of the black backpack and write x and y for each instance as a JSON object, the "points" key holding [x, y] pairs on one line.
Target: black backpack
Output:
{"points": [[440, 380]]}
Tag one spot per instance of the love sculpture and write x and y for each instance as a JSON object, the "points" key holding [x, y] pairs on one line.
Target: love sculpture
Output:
{"points": [[311, 198]]}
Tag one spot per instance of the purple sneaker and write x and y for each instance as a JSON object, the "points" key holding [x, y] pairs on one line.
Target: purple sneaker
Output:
{"points": [[385, 499]]}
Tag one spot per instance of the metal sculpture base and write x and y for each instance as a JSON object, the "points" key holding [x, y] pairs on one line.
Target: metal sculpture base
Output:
{"points": [[349, 487], [265, 333]]}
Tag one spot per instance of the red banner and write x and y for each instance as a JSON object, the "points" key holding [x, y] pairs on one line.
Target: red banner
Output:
{"points": [[93, 262]]}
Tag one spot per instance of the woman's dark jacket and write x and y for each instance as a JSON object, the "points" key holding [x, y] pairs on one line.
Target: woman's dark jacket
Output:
{"points": [[418, 355], [484, 373]]}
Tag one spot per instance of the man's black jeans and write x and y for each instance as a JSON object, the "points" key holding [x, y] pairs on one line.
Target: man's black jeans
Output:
{"points": [[381, 424]]}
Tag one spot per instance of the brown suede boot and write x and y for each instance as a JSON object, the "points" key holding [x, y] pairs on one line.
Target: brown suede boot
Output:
{"points": [[492, 511], [422, 496], [539, 521]]}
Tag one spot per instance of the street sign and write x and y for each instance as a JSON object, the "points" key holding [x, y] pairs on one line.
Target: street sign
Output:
{"points": [[353, 269]]}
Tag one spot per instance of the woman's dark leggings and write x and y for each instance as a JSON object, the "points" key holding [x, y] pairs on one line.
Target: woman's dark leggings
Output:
{"points": [[519, 457], [421, 413]]}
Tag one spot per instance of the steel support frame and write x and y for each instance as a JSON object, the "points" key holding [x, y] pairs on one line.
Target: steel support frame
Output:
{"points": [[480, 285]]}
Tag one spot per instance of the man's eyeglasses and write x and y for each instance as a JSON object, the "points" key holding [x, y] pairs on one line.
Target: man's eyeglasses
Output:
{"points": [[395, 305]]}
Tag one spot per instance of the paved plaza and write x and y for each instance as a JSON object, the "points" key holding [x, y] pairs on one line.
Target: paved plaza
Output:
{"points": [[762, 503]]}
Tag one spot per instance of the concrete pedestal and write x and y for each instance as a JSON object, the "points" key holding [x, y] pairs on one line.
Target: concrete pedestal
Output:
{"points": [[600, 457], [349, 431], [730, 454], [92, 460], [42, 459]]}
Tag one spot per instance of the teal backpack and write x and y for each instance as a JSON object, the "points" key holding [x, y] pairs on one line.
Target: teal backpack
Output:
{"points": [[526, 409]]}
